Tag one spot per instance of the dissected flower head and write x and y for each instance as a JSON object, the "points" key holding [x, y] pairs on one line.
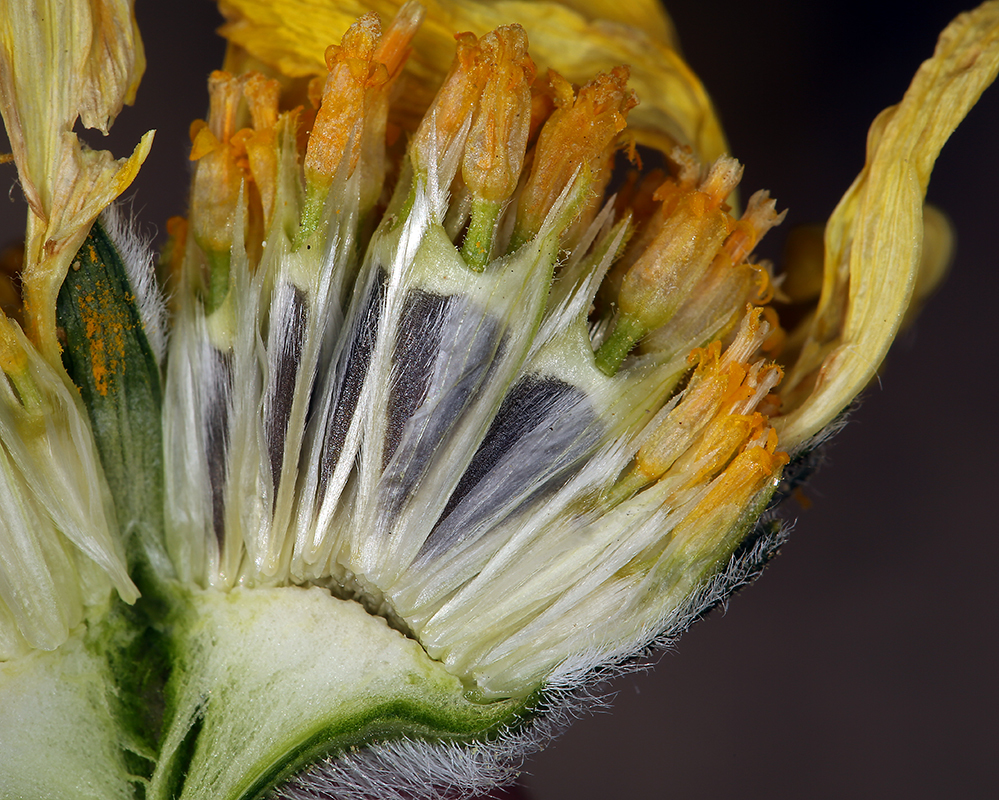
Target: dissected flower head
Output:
{"points": [[475, 388]]}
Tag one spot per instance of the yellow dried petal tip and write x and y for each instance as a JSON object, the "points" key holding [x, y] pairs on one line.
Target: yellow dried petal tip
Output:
{"points": [[873, 239]]}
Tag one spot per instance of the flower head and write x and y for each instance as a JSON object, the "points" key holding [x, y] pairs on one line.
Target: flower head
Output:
{"points": [[463, 405]]}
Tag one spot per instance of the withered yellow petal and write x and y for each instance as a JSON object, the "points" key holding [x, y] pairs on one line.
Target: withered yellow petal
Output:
{"points": [[938, 253], [111, 79], [572, 38], [60, 61], [874, 238]]}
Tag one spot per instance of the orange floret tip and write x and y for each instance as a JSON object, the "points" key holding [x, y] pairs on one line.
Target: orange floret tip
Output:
{"points": [[224, 92], [261, 144], [352, 72], [396, 41], [457, 99], [262, 95], [760, 216], [724, 384], [221, 164], [693, 230], [747, 475], [575, 140], [497, 142], [724, 437], [361, 69]]}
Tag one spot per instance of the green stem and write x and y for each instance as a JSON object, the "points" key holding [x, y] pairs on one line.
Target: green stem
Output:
{"points": [[479, 238], [616, 347], [312, 211], [218, 279]]}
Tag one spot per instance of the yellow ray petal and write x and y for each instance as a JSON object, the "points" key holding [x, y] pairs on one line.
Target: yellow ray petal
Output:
{"points": [[873, 240], [647, 15]]}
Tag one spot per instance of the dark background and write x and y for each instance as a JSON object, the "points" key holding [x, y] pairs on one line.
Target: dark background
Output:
{"points": [[864, 663]]}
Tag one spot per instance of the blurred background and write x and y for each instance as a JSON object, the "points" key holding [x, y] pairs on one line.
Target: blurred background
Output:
{"points": [[864, 664]]}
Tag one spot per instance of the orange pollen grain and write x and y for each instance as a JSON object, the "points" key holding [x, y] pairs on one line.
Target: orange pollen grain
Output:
{"points": [[105, 330]]}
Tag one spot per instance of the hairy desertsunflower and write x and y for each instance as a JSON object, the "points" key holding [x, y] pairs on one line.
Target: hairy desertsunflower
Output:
{"points": [[474, 390]]}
